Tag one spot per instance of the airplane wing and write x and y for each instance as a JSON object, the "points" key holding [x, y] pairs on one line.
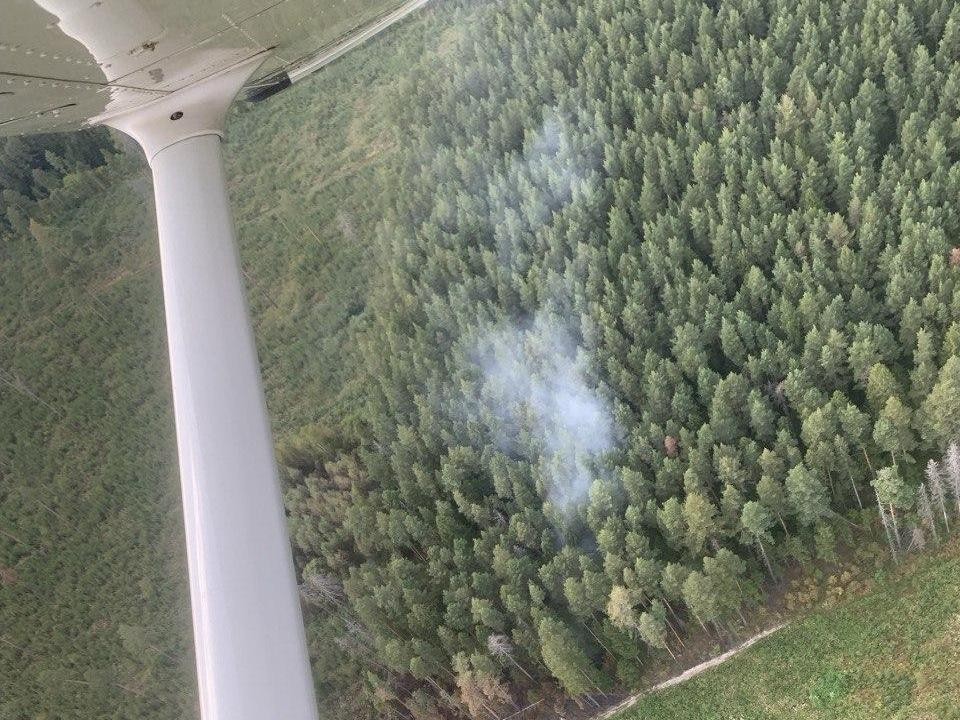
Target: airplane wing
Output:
{"points": [[135, 51]]}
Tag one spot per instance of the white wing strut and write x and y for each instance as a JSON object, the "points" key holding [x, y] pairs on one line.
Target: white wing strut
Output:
{"points": [[251, 653]]}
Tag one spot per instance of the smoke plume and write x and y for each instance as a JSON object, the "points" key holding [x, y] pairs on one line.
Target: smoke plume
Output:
{"points": [[535, 388], [557, 163]]}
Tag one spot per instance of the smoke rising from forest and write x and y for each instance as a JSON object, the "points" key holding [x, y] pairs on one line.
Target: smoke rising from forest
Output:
{"points": [[558, 162], [533, 381]]}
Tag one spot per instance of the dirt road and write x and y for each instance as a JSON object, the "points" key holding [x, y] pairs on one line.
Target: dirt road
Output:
{"points": [[690, 673]]}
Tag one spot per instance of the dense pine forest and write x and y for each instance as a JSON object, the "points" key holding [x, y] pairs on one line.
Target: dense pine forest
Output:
{"points": [[671, 295], [648, 306]]}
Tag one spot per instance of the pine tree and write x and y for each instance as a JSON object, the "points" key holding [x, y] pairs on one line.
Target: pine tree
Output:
{"points": [[806, 494], [620, 608], [756, 522], [652, 626], [893, 431], [941, 408], [773, 497], [672, 579], [565, 659], [881, 386], [825, 542], [700, 595], [726, 570], [699, 516], [672, 522]]}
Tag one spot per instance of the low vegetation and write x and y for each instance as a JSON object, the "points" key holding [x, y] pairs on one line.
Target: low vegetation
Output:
{"points": [[889, 653]]}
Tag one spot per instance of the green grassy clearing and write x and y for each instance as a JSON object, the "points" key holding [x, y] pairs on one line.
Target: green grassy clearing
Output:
{"points": [[890, 654]]}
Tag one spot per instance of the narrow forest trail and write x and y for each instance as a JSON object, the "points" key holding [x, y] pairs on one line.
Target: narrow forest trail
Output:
{"points": [[689, 673]]}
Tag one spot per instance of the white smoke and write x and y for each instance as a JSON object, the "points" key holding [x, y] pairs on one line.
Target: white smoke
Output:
{"points": [[557, 162], [536, 389]]}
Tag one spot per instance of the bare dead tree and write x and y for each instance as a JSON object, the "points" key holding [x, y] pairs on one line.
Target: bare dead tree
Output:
{"points": [[952, 463], [887, 528], [925, 511], [918, 540], [938, 491], [357, 630], [500, 646], [320, 587]]}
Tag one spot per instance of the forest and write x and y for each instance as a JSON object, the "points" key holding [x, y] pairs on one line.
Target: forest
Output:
{"points": [[669, 306], [655, 304]]}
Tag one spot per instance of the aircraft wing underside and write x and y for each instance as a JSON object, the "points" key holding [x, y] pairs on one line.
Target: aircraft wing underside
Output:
{"points": [[65, 63]]}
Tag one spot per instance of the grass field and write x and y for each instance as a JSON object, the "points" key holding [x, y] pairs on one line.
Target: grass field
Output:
{"points": [[891, 654]]}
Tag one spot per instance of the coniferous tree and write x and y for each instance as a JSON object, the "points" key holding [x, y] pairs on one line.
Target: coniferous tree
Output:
{"points": [[941, 408], [756, 522], [806, 494]]}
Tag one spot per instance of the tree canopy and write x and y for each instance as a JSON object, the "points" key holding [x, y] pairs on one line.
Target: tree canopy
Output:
{"points": [[667, 284]]}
